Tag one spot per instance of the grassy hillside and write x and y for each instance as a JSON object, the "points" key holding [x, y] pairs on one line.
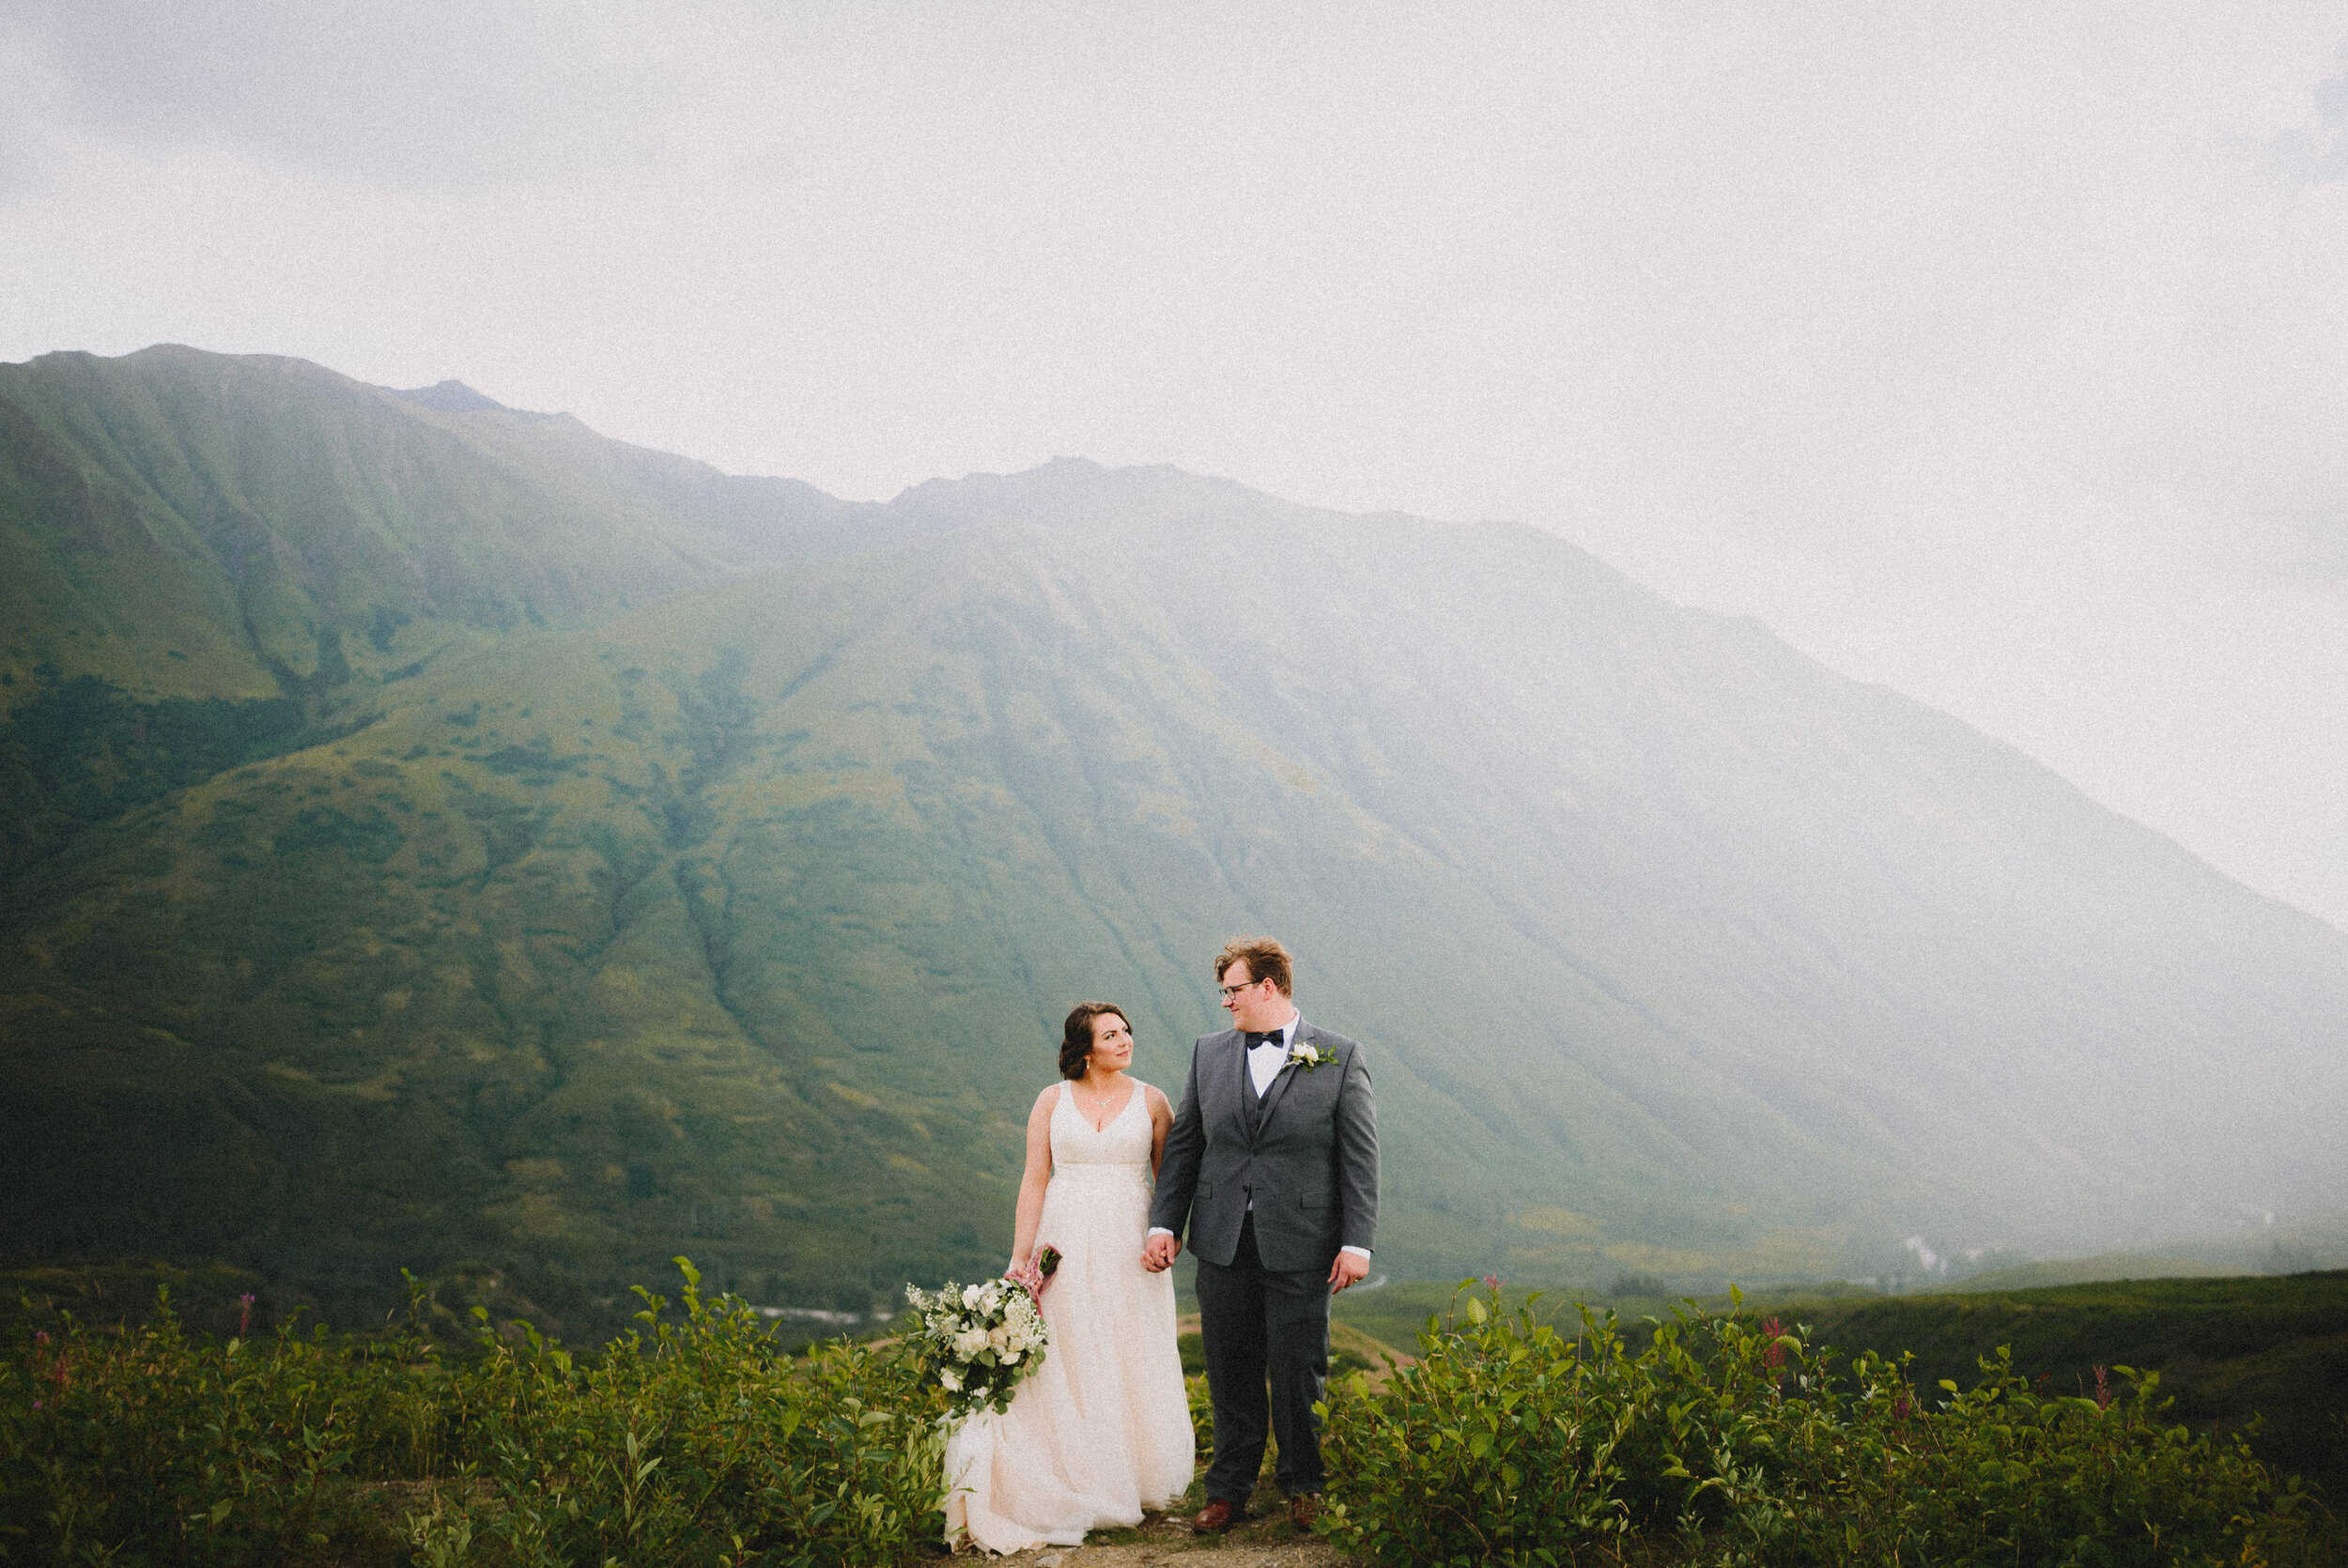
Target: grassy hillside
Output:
{"points": [[730, 909], [757, 942], [203, 557], [2091, 1271]]}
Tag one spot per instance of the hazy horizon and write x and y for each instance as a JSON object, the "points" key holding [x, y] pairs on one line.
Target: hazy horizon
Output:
{"points": [[1996, 357]]}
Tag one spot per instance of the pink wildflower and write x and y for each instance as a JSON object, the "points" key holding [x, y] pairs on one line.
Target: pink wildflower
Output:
{"points": [[1772, 1354], [244, 1319], [2103, 1390], [1492, 1282]]}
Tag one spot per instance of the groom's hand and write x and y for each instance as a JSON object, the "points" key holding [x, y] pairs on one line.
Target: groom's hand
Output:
{"points": [[1157, 1254], [1350, 1268]]}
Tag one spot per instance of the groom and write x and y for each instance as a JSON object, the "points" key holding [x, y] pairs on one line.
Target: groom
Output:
{"points": [[1273, 1160]]}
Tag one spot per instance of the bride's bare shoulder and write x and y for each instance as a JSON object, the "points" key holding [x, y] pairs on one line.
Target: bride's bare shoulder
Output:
{"points": [[1155, 1099]]}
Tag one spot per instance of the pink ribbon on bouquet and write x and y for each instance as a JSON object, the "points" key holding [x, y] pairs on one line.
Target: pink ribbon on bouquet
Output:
{"points": [[1036, 1276]]}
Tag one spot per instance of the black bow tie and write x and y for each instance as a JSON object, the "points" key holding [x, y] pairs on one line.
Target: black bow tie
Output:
{"points": [[1272, 1039]]}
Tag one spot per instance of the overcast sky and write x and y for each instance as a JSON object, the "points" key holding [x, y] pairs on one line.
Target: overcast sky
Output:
{"points": [[1999, 354]]}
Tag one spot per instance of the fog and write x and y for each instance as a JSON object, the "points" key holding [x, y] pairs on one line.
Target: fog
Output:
{"points": [[1992, 353]]}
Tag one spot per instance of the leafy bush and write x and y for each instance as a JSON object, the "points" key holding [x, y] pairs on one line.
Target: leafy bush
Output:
{"points": [[1201, 1416], [1511, 1442], [697, 1440], [2226, 1349], [692, 1440], [223, 1454]]}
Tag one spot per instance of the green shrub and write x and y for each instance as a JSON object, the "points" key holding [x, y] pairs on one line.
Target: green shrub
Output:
{"points": [[697, 1440], [1511, 1442], [694, 1441], [1495, 1446], [1202, 1415], [2000, 1474], [181, 1452]]}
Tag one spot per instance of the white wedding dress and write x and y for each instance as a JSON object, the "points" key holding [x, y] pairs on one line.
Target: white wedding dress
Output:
{"points": [[1102, 1429]]}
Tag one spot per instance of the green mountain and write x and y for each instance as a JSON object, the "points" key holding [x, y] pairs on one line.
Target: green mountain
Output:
{"points": [[435, 832]]}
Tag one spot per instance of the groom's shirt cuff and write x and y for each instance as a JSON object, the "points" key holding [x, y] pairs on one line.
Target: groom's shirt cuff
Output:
{"points": [[1158, 1230]]}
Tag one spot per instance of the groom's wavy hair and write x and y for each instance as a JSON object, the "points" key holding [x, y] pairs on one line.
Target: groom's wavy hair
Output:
{"points": [[1075, 1036], [1266, 959]]}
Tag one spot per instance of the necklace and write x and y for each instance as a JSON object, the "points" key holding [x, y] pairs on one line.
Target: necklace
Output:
{"points": [[1101, 1125]]}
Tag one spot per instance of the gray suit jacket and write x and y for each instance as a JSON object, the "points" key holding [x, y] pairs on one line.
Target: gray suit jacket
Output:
{"points": [[1308, 1159]]}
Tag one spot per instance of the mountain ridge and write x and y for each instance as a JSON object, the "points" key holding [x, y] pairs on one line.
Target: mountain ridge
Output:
{"points": [[453, 396]]}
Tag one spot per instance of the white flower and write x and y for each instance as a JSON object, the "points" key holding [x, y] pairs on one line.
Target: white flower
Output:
{"points": [[1304, 1055], [969, 1342], [972, 1295], [952, 1379]]}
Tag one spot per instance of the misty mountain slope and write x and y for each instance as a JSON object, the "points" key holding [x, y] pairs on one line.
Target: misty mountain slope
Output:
{"points": [[1884, 885], [739, 921], [823, 855], [291, 524], [746, 918], [203, 557]]}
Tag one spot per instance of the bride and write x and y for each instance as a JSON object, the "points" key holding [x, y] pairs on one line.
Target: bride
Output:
{"points": [[1102, 1429]]}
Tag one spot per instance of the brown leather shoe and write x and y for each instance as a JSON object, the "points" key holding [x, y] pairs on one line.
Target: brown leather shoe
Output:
{"points": [[1303, 1509], [1220, 1514]]}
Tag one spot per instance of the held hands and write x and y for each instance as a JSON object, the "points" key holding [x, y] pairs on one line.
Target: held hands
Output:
{"points": [[1158, 1254], [1350, 1268]]}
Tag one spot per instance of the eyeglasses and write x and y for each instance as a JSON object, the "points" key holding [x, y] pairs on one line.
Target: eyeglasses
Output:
{"points": [[1230, 991]]}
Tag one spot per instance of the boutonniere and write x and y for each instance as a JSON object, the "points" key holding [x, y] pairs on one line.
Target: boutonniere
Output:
{"points": [[1306, 1055]]}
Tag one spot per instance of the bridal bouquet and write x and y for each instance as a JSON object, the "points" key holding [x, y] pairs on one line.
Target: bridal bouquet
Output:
{"points": [[978, 1341]]}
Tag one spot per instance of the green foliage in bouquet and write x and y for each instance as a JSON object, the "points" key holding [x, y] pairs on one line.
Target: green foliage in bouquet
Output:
{"points": [[697, 1440], [1511, 1442], [976, 1343]]}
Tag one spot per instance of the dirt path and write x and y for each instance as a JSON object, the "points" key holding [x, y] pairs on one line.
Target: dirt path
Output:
{"points": [[1261, 1543], [1229, 1554], [1265, 1541]]}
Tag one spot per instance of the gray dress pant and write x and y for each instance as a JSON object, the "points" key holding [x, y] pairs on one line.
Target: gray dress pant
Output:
{"points": [[1263, 1325]]}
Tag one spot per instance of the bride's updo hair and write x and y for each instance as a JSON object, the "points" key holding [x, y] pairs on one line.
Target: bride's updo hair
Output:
{"points": [[1075, 1036]]}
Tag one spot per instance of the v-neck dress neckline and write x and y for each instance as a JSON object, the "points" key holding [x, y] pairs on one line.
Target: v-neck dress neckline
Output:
{"points": [[1068, 1092]]}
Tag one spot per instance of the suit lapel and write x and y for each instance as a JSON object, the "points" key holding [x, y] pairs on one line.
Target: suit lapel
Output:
{"points": [[1273, 1096]]}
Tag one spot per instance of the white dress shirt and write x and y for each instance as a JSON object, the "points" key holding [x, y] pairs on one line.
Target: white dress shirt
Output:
{"points": [[1264, 1061]]}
